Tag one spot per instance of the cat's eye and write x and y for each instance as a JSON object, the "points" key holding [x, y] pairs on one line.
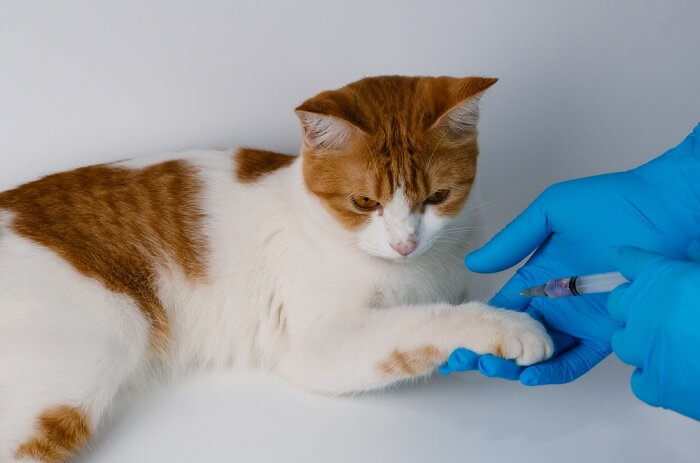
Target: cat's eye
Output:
{"points": [[438, 197], [365, 203]]}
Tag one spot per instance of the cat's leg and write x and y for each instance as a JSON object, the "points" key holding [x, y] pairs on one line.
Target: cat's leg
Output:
{"points": [[60, 374], [66, 346], [376, 348]]}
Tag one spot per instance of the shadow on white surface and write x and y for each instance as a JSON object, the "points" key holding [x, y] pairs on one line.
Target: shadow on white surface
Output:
{"points": [[463, 417]]}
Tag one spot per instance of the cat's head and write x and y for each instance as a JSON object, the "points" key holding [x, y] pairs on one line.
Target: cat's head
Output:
{"points": [[393, 158]]}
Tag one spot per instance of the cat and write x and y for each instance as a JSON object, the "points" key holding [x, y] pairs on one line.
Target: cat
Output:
{"points": [[340, 269]]}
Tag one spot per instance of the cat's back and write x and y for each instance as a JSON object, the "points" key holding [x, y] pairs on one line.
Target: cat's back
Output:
{"points": [[120, 224], [110, 207], [113, 215], [135, 227], [124, 213]]}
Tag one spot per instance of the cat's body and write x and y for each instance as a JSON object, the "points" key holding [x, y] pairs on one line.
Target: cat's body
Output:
{"points": [[117, 273]]}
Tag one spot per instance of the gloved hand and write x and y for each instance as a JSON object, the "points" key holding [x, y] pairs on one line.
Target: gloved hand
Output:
{"points": [[660, 313], [574, 225]]}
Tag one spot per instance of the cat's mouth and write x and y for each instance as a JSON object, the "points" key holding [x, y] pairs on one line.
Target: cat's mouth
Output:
{"points": [[395, 256]]}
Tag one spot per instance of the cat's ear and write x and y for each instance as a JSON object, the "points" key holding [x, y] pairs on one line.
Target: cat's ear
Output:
{"points": [[459, 120], [322, 131]]}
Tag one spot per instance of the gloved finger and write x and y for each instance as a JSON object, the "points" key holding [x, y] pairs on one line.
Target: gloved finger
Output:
{"points": [[618, 307], [694, 251], [623, 344], [498, 367], [644, 389], [565, 367], [512, 244], [562, 342], [460, 360], [632, 261]]}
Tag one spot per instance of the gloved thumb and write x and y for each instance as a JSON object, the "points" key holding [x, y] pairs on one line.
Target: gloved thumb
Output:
{"points": [[631, 261], [512, 244]]}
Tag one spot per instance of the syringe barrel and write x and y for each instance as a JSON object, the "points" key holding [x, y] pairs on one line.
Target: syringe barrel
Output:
{"points": [[599, 283]]}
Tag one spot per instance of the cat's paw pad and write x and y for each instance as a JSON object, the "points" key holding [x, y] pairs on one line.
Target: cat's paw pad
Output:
{"points": [[523, 339]]}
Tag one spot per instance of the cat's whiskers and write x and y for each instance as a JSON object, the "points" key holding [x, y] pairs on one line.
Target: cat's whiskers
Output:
{"points": [[447, 240], [445, 230], [480, 208]]}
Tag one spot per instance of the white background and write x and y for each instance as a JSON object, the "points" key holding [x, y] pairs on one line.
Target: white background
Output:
{"points": [[586, 87]]}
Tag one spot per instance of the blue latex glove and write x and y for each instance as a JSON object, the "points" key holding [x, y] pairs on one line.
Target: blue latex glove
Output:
{"points": [[574, 226], [660, 314]]}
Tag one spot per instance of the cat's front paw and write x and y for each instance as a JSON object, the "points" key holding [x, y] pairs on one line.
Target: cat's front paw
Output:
{"points": [[520, 337]]}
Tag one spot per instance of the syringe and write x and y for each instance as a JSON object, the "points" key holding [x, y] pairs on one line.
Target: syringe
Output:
{"points": [[575, 286]]}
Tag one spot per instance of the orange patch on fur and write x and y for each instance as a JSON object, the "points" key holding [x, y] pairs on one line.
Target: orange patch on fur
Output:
{"points": [[415, 362], [252, 164], [60, 432], [398, 137], [119, 226], [498, 350]]}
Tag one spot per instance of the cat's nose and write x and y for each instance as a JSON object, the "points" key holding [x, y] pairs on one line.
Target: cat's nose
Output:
{"points": [[406, 246]]}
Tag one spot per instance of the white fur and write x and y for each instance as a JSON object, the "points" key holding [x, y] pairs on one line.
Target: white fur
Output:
{"points": [[64, 339], [395, 224], [288, 290]]}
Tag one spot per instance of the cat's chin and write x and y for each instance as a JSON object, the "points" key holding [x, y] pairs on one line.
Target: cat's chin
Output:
{"points": [[403, 260], [397, 258]]}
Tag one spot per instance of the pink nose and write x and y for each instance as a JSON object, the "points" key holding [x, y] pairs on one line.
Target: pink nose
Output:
{"points": [[405, 247]]}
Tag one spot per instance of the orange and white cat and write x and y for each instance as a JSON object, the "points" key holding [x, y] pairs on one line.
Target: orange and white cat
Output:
{"points": [[339, 269]]}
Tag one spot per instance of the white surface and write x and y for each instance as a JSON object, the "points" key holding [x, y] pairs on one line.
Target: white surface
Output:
{"points": [[586, 87], [460, 418]]}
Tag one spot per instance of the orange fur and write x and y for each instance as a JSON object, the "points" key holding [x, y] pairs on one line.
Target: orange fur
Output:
{"points": [[60, 432], [118, 225], [417, 362], [398, 134], [252, 164], [498, 350]]}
